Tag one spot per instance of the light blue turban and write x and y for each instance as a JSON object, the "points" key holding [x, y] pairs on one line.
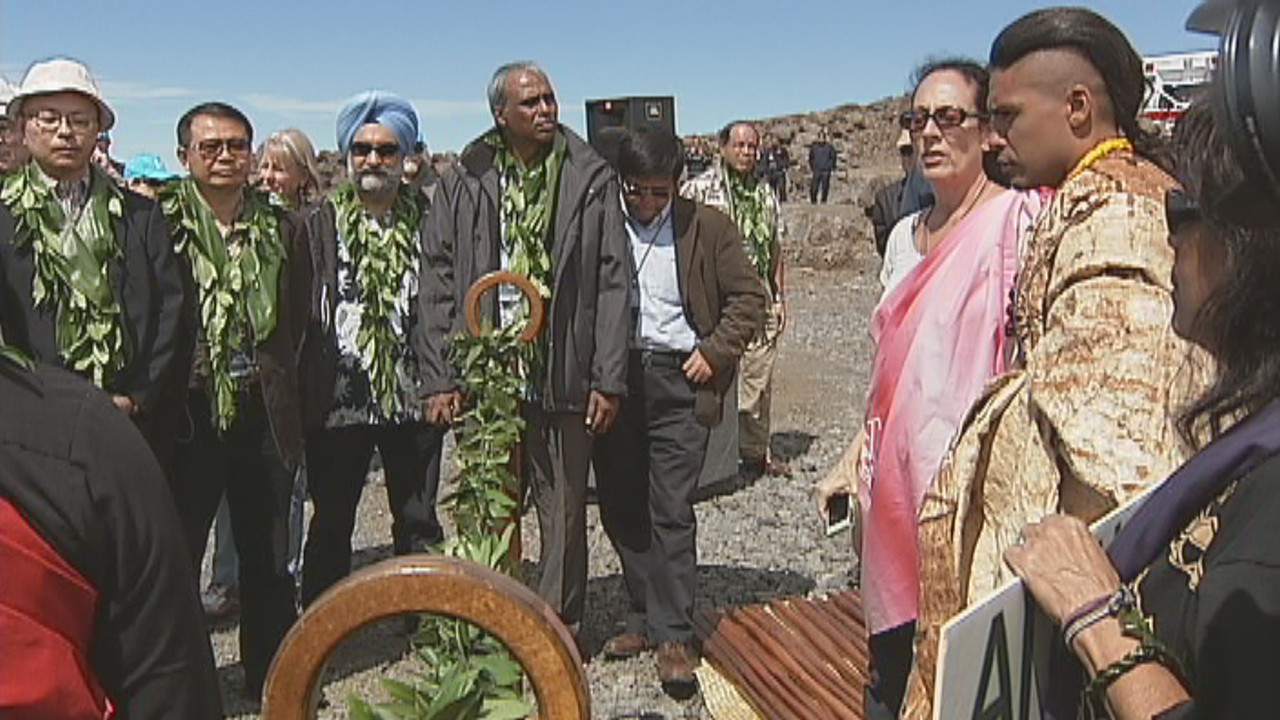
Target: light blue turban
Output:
{"points": [[378, 107]]}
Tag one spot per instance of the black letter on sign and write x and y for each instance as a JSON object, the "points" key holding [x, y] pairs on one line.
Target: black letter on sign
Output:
{"points": [[997, 650]]}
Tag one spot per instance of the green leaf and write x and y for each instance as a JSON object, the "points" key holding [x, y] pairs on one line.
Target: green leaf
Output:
{"points": [[507, 709]]}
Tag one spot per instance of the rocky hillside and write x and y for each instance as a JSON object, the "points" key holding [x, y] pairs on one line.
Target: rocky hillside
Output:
{"points": [[820, 237]]}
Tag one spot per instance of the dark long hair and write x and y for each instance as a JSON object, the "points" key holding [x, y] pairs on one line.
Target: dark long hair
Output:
{"points": [[966, 68], [1104, 46], [1239, 322]]}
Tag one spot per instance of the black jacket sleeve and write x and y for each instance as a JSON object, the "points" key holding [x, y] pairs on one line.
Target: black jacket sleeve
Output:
{"points": [[166, 299], [151, 647], [613, 304], [1239, 647], [437, 310]]}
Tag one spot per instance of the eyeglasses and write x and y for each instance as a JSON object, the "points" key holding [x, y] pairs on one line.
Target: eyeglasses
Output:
{"points": [[212, 148], [640, 191], [50, 120], [384, 150], [1180, 210], [946, 116]]}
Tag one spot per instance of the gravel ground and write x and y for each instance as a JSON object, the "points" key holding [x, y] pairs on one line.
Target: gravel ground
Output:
{"points": [[755, 542]]}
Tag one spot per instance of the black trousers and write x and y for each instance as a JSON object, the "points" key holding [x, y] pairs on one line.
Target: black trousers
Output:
{"points": [[778, 181], [892, 653], [647, 469], [820, 184], [242, 462], [337, 465]]}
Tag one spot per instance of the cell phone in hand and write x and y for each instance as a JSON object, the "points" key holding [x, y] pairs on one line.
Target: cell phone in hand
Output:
{"points": [[839, 517]]}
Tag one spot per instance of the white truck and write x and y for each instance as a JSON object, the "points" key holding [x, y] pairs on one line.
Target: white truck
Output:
{"points": [[1172, 79]]}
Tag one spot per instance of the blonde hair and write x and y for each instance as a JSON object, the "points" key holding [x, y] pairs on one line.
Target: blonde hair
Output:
{"points": [[299, 152]]}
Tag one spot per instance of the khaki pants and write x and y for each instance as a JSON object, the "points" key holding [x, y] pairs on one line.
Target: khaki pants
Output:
{"points": [[755, 386]]}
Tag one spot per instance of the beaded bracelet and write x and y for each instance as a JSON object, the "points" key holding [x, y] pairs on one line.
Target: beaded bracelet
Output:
{"points": [[1095, 611]]}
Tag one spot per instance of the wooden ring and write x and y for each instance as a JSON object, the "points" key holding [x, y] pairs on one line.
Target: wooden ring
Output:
{"points": [[497, 604], [471, 305]]}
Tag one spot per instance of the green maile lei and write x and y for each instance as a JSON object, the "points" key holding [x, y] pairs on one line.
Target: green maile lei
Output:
{"points": [[380, 266], [237, 279], [749, 205], [73, 267], [529, 199]]}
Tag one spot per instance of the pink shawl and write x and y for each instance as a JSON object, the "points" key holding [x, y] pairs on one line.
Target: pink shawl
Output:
{"points": [[940, 337]]}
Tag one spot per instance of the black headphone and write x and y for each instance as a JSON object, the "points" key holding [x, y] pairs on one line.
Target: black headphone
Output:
{"points": [[1247, 102]]}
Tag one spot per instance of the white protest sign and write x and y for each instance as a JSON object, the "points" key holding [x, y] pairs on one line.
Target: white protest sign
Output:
{"points": [[994, 657]]}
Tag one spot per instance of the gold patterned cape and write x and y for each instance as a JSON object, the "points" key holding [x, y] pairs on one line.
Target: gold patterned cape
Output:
{"points": [[1088, 421]]}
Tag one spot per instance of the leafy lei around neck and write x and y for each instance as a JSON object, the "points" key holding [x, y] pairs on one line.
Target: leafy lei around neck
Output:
{"points": [[749, 205], [73, 261], [529, 198], [381, 262], [237, 277]]}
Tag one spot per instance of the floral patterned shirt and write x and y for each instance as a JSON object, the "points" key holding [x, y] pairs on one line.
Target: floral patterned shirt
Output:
{"points": [[354, 400]]}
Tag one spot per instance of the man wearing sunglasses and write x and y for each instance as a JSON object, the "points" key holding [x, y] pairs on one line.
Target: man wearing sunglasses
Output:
{"points": [[1087, 421], [529, 195], [695, 303], [730, 186], [93, 284], [248, 267], [361, 378]]}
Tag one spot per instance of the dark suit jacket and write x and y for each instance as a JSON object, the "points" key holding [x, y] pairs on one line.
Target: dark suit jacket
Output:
{"points": [[724, 301], [587, 316], [149, 290], [82, 477], [277, 356]]}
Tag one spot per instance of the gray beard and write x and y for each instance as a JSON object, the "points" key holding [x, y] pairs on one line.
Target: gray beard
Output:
{"points": [[374, 181]]}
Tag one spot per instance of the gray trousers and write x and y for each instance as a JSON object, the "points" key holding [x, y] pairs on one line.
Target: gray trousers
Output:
{"points": [[647, 469], [557, 454]]}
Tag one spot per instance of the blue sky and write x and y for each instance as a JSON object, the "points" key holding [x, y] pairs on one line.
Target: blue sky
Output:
{"points": [[292, 63]]}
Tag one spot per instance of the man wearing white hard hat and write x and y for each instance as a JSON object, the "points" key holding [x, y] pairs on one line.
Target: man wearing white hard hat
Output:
{"points": [[13, 154], [92, 280]]}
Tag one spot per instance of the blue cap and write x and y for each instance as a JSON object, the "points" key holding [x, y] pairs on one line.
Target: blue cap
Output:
{"points": [[147, 167]]}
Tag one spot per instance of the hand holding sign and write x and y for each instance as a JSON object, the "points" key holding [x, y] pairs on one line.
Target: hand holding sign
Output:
{"points": [[1063, 565]]}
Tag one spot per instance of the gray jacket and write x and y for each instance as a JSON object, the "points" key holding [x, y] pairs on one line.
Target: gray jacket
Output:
{"points": [[587, 316]]}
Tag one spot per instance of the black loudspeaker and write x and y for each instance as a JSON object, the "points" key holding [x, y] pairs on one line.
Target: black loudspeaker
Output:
{"points": [[608, 120], [1247, 97]]}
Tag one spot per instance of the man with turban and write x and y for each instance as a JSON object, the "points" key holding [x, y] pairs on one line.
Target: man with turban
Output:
{"points": [[530, 196], [362, 386]]}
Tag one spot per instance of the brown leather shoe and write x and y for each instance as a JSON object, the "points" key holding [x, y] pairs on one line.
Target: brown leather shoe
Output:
{"points": [[626, 645], [675, 668]]}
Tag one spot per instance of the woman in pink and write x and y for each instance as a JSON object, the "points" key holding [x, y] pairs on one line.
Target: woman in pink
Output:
{"points": [[939, 332]]}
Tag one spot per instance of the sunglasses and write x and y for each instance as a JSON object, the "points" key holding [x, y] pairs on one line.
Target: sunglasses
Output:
{"points": [[1180, 210], [384, 150], [213, 148], [640, 191], [946, 117]]}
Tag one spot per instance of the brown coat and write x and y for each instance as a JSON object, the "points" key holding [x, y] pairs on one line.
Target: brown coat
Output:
{"points": [[724, 300]]}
